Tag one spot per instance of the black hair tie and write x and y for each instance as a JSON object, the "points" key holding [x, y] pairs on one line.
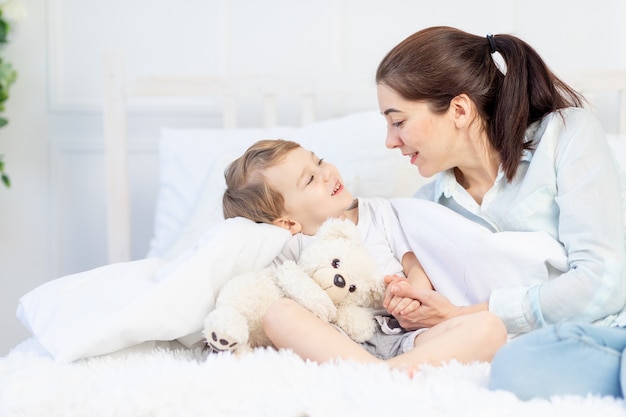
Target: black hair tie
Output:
{"points": [[492, 43]]}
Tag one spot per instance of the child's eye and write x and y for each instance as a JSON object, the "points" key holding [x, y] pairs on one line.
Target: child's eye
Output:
{"points": [[319, 163]]}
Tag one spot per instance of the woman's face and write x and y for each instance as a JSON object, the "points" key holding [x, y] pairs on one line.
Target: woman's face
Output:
{"points": [[427, 138], [312, 189]]}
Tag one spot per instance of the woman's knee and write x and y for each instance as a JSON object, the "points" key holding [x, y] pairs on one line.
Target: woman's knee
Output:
{"points": [[560, 359]]}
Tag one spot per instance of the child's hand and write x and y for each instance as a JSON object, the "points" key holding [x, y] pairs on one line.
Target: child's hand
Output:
{"points": [[389, 281], [433, 306], [397, 305]]}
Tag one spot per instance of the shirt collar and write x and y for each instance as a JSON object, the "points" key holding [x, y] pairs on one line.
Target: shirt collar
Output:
{"points": [[446, 183]]}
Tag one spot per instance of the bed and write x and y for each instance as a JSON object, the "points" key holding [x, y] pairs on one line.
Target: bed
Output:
{"points": [[119, 365]]}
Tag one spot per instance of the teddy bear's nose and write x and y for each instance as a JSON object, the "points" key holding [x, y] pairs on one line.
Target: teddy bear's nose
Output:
{"points": [[339, 281]]}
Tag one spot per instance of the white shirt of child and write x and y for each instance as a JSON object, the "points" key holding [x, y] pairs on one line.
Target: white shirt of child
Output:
{"points": [[380, 232]]}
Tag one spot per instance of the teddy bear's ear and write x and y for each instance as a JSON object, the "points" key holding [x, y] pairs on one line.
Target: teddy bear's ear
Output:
{"points": [[335, 228]]}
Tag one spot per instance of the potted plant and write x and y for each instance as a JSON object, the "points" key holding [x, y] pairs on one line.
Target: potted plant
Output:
{"points": [[8, 10]]}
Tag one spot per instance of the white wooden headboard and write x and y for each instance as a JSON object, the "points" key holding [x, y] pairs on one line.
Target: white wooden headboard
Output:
{"points": [[594, 84], [223, 95]]}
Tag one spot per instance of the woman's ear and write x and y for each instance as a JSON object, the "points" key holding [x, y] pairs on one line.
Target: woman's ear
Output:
{"points": [[291, 225], [462, 110]]}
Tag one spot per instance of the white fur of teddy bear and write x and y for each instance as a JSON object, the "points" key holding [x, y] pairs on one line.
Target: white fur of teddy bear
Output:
{"points": [[335, 278]]}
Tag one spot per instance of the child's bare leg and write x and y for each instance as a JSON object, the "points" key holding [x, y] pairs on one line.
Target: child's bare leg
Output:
{"points": [[467, 338], [289, 325]]}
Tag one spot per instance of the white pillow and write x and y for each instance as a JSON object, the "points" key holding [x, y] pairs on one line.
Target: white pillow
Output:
{"points": [[191, 174], [192, 163]]}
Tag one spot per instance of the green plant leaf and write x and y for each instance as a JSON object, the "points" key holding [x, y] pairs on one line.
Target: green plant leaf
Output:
{"points": [[4, 30], [3, 121], [3, 176]]}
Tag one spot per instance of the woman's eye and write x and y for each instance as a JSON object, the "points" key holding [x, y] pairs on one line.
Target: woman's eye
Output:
{"points": [[397, 124]]}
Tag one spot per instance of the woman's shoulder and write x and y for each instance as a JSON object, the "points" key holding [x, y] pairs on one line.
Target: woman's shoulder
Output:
{"points": [[576, 116], [571, 124]]}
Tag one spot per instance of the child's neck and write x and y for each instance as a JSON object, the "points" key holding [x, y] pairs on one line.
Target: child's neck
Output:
{"points": [[352, 212]]}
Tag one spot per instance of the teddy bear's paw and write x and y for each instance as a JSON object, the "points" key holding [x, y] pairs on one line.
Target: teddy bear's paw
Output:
{"points": [[225, 330], [299, 286], [216, 344], [358, 323], [323, 308]]}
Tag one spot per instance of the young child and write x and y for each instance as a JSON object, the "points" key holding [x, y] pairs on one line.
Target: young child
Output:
{"points": [[279, 182]]}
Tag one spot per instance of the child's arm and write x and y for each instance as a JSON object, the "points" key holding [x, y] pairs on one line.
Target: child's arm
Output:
{"points": [[414, 272], [416, 276]]}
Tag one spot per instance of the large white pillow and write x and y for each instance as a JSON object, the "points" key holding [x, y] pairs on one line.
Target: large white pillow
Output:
{"points": [[191, 174], [192, 163]]}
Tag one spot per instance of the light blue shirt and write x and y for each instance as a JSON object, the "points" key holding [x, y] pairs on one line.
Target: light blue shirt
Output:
{"points": [[568, 185]]}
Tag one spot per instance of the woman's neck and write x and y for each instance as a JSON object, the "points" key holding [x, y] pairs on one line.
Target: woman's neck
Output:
{"points": [[480, 172]]}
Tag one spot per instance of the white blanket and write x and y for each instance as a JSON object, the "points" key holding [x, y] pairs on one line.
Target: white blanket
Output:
{"points": [[122, 305], [466, 262], [127, 304]]}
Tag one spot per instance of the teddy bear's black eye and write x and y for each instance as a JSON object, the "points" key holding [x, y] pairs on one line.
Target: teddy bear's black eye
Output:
{"points": [[339, 281], [335, 263], [352, 288]]}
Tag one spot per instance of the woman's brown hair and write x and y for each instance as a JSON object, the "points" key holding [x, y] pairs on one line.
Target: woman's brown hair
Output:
{"points": [[439, 63]]}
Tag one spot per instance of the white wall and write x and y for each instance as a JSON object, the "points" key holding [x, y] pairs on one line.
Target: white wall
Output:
{"points": [[52, 220]]}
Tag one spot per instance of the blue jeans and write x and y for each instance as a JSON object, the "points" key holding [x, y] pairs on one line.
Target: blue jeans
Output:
{"points": [[562, 359]]}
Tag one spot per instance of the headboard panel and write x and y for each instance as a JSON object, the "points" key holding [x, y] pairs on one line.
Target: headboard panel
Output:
{"points": [[211, 94], [116, 159], [594, 84]]}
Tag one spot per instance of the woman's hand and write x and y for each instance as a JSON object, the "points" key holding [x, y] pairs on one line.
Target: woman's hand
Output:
{"points": [[416, 308]]}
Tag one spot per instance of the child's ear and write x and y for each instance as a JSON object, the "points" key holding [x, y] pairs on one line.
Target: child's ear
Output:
{"points": [[291, 225]]}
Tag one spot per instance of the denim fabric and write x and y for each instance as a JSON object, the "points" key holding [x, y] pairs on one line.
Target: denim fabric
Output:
{"points": [[564, 359]]}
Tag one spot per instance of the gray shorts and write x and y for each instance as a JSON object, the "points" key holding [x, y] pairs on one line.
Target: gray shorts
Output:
{"points": [[390, 340]]}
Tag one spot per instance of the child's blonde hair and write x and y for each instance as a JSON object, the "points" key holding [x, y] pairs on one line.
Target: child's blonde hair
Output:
{"points": [[247, 192]]}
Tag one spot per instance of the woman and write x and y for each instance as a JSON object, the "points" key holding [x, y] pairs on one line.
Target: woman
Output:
{"points": [[514, 150]]}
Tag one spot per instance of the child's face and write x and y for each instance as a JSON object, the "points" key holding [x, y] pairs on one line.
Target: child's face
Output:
{"points": [[313, 190]]}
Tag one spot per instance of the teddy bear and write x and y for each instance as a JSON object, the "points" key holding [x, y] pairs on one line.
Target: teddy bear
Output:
{"points": [[335, 278]]}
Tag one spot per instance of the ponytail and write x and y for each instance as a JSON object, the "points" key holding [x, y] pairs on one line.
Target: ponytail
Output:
{"points": [[529, 91], [439, 63]]}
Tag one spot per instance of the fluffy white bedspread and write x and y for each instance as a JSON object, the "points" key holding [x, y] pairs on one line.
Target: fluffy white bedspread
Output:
{"points": [[166, 383]]}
